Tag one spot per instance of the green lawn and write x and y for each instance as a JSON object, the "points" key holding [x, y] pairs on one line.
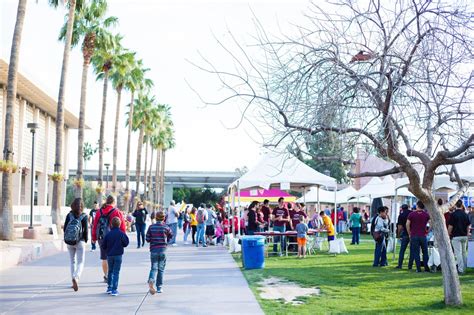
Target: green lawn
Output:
{"points": [[350, 285]]}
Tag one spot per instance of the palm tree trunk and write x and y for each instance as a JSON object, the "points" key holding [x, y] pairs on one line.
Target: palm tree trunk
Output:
{"points": [[139, 162], [101, 136], [80, 133], [7, 231], [145, 174], [157, 177], [163, 156], [57, 184], [127, 163], [114, 158], [150, 190]]}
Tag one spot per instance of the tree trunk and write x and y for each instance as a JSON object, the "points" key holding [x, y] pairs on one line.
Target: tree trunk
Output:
{"points": [[101, 136], [80, 132], [150, 188], [163, 156], [145, 174], [114, 159], [7, 231], [157, 178], [57, 185], [127, 163], [452, 287], [139, 163]]}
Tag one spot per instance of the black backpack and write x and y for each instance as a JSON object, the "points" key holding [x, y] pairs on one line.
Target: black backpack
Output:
{"points": [[103, 226], [372, 225], [73, 231]]}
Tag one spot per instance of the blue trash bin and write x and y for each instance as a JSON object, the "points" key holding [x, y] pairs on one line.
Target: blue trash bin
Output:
{"points": [[253, 252]]}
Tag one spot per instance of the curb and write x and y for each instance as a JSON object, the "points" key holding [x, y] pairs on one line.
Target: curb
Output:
{"points": [[17, 254]]}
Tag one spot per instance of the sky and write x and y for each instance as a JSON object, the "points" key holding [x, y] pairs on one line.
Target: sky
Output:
{"points": [[166, 34]]}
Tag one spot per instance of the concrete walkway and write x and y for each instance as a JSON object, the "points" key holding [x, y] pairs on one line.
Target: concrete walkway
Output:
{"points": [[197, 281]]}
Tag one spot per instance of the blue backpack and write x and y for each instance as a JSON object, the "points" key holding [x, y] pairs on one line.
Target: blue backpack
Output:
{"points": [[103, 226]]}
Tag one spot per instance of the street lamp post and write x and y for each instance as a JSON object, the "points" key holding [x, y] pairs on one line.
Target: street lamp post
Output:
{"points": [[30, 232], [107, 165]]}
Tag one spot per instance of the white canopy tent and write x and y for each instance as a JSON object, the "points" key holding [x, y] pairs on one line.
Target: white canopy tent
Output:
{"points": [[342, 196], [282, 171]]}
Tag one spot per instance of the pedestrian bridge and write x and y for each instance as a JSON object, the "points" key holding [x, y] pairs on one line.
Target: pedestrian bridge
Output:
{"points": [[173, 179]]}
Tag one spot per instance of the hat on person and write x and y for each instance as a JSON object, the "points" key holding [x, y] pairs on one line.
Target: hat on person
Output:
{"points": [[160, 216], [404, 207]]}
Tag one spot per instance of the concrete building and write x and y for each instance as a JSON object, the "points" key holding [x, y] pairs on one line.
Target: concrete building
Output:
{"points": [[33, 105]]}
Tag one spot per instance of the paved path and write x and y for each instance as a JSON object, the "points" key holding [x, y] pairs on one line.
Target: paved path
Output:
{"points": [[197, 281]]}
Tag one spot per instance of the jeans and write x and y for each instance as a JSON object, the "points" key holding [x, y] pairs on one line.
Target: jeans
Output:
{"points": [[415, 243], [380, 254], [77, 254], [180, 223], [405, 240], [280, 239], [250, 232], [174, 230], [460, 251], [114, 262], [187, 229], [158, 264], [140, 234], [201, 228], [355, 235], [341, 226]]}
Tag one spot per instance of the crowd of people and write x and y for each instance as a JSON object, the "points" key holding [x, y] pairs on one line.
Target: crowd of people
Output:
{"points": [[205, 225]]}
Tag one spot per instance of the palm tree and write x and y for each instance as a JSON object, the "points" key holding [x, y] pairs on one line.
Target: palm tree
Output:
{"points": [[169, 144], [7, 231], [103, 61], [124, 63], [91, 26], [142, 116], [57, 182], [136, 82]]}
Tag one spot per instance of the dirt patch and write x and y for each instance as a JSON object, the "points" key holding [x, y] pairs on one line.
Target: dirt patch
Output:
{"points": [[290, 292]]}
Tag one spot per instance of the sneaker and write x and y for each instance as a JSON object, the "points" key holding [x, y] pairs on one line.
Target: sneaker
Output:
{"points": [[204, 245], [159, 290], [152, 288], [109, 291], [106, 280], [74, 284], [174, 244], [138, 247], [114, 293]]}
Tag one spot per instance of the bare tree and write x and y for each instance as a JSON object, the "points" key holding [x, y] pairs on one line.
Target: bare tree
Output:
{"points": [[392, 76]]}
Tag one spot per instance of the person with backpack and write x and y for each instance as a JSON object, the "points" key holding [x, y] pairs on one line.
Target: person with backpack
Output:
{"points": [[76, 236], [380, 231], [102, 225], [201, 218]]}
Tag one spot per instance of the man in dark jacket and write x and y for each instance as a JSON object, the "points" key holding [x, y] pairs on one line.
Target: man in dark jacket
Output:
{"points": [[113, 244], [458, 229], [402, 233]]}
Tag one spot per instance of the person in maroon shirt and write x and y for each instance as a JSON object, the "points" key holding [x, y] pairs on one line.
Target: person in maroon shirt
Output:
{"points": [[280, 216], [416, 228], [296, 214], [265, 209]]}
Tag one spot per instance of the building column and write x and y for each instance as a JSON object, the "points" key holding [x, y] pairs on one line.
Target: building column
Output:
{"points": [[168, 195], [17, 157]]}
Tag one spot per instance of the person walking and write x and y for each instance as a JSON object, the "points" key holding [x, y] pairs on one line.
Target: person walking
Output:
{"points": [[280, 217], [172, 221], [140, 223], [114, 243], [92, 214], [186, 224], [210, 223], [402, 233], [380, 235], [416, 229], [102, 225], [458, 229], [75, 236], [356, 223], [201, 218], [193, 223], [158, 235]]}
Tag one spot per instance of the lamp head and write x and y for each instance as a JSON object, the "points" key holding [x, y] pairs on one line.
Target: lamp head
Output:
{"points": [[32, 126]]}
